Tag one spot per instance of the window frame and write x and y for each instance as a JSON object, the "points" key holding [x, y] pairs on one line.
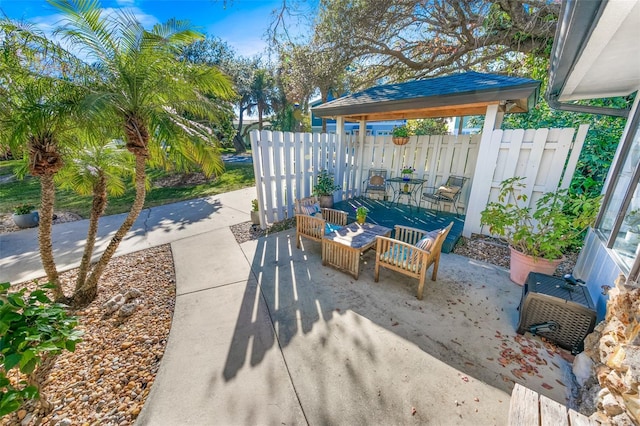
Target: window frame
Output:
{"points": [[609, 237]]}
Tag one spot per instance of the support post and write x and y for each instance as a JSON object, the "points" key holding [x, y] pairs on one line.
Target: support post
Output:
{"points": [[339, 156], [485, 167], [362, 137]]}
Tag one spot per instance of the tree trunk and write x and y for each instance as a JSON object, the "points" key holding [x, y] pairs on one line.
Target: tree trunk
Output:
{"points": [[97, 209], [238, 142], [259, 117], [87, 292], [48, 198]]}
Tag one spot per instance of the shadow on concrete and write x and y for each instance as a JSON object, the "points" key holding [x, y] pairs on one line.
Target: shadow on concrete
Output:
{"points": [[373, 345]]}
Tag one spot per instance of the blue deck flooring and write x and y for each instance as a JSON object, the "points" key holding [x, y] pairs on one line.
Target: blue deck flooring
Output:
{"points": [[386, 214]]}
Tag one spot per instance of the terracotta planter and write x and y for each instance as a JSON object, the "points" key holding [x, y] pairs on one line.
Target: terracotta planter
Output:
{"points": [[28, 220], [326, 201], [521, 264], [400, 141]]}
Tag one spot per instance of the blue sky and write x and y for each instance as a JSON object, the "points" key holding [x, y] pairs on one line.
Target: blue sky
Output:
{"points": [[241, 23]]}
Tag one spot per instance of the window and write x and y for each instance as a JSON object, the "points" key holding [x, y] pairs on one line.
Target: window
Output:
{"points": [[619, 222]]}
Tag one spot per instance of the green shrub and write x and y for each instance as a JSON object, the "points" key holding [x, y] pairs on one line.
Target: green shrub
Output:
{"points": [[557, 224], [23, 208], [31, 327]]}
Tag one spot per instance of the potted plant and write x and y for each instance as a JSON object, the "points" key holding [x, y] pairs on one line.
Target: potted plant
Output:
{"points": [[406, 172], [538, 239], [633, 222], [361, 214], [400, 135], [24, 216], [255, 215], [324, 189]]}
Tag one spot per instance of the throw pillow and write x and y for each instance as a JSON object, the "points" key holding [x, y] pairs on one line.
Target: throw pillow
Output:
{"points": [[426, 242], [310, 209]]}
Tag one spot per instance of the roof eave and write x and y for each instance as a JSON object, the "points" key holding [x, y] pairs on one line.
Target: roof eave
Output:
{"points": [[573, 31], [524, 95]]}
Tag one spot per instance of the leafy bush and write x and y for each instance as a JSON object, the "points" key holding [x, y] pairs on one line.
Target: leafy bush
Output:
{"points": [[31, 327], [401, 132], [23, 208], [557, 224], [325, 184]]}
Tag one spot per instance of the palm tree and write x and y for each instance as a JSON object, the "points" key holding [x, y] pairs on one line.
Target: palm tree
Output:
{"points": [[262, 88], [96, 166], [150, 93], [37, 118]]}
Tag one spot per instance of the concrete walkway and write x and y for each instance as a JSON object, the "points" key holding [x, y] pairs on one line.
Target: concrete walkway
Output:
{"points": [[262, 333]]}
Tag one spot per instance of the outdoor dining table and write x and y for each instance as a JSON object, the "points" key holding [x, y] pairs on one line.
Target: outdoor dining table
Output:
{"points": [[411, 188], [342, 248]]}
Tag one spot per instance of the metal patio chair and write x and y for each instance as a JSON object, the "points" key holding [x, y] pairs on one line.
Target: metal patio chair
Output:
{"points": [[447, 193], [376, 183]]}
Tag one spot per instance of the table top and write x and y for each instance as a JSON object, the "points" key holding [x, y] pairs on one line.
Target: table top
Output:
{"points": [[411, 181], [356, 235]]}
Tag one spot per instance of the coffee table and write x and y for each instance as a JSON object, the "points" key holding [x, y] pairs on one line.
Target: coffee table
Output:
{"points": [[342, 248]]}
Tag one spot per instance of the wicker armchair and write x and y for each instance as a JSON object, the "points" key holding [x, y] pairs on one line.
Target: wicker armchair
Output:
{"points": [[313, 226], [400, 253]]}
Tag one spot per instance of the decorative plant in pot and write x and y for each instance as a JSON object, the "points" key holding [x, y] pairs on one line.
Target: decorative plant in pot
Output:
{"points": [[633, 222], [406, 172], [324, 189], [538, 239], [255, 216], [24, 216], [400, 135], [361, 214]]}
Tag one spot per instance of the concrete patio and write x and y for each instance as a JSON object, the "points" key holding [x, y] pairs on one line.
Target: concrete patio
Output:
{"points": [[264, 334]]}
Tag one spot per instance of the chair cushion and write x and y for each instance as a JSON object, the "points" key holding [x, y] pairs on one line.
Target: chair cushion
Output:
{"points": [[376, 181], [426, 242], [448, 191], [399, 255], [330, 227], [310, 209]]}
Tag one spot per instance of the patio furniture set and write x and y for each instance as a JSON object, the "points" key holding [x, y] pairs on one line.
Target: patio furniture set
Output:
{"points": [[413, 189], [409, 252]]}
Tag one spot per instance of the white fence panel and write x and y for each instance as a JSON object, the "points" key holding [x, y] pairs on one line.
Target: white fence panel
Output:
{"points": [[286, 165], [545, 158]]}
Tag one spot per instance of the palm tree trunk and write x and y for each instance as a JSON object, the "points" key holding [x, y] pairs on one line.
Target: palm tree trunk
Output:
{"points": [[48, 198], [238, 142], [97, 209], [87, 292], [259, 118]]}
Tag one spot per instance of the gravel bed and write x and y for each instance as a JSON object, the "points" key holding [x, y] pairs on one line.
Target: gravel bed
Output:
{"points": [[107, 379]]}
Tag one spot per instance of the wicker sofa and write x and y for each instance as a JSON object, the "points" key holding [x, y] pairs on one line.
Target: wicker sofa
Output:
{"points": [[312, 221]]}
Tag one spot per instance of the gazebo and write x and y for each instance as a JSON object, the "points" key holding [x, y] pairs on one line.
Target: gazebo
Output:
{"points": [[456, 95]]}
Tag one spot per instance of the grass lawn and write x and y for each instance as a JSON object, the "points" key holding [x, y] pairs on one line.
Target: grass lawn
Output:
{"points": [[236, 176]]}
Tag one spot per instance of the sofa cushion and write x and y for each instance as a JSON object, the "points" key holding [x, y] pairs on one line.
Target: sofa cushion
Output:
{"points": [[330, 227]]}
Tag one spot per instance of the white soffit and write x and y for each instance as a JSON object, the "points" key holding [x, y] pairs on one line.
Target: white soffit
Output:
{"points": [[610, 62]]}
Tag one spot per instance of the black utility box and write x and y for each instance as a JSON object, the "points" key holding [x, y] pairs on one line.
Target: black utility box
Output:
{"points": [[561, 312]]}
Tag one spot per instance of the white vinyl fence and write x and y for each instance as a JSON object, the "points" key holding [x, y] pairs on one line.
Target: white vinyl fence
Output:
{"points": [[286, 164]]}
